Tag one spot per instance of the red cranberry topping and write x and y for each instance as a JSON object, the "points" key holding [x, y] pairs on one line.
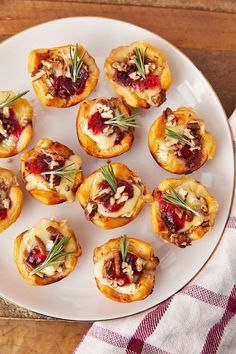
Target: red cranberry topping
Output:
{"points": [[192, 158], [96, 123], [10, 124], [112, 208], [128, 188], [151, 81], [104, 184], [65, 87], [35, 257], [38, 165], [3, 213], [168, 212]]}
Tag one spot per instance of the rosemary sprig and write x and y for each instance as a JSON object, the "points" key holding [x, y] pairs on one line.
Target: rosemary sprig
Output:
{"points": [[172, 134], [123, 247], [55, 255], [176, 199], [62, 172], [123, 121], [109, 175], [10, 100], [139, 61], [76, 63]]}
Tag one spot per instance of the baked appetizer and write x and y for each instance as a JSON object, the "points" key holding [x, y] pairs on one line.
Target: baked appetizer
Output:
{"points": [[15, 123], [112, 196], [11, 199], [105, 127], [124, 269], [179, 142], [46, 253], [139, 73], [182, 211], [51, 172], [62, 76]]}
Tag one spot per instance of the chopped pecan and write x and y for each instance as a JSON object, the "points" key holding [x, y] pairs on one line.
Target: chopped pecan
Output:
{"points": [[90, 210], [193, 125], [160, 98], [205, 224], [116, 255], [54, 232], [40, 244], [180, 240]]}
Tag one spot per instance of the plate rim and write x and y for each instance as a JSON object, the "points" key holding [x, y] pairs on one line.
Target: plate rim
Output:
{"points": [[209, 86]]}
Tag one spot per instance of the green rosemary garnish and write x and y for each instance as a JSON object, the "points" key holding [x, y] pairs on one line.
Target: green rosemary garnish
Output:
{"points": [[10, 100], [62, 172], [176, 199], [123, 247], [55, 255], [109, 175], [76, 63], [172, 134], [139, 61], [123, 121]]}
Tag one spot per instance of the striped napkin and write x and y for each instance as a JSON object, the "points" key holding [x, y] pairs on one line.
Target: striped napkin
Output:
{"points": [[198, 319]]}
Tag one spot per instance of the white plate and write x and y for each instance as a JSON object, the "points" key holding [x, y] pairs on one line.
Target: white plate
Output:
{"points": [[77, 297]]}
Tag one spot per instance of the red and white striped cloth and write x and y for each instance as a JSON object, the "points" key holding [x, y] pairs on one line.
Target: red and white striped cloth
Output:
{"points": [[198, 319]]}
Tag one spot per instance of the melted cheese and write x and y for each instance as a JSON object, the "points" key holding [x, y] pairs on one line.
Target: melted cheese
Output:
{"points": [[35, 181], [103, 142], [126, 289], [126, 210], [41, 232]]}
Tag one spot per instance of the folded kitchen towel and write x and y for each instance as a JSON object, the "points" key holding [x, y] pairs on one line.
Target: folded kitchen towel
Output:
{"points": [[198, 319]]}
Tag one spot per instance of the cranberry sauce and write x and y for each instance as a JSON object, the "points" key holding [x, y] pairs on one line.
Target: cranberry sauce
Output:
{"points": [[35, 257], [151, 81], [10, 124], [106, 199], [3, 213], [169, 215], [122, 278], [191, 159], [96, 123], [65, 87]]}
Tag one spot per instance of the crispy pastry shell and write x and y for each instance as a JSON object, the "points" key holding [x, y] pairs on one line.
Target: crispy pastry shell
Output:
{"points": [[41, 89], [21, 107], [119, 54], [16, 196], [174, 164], [48, 197], [70, 260], [145, 283], [89, 145], [122, 172], [159, 226]]}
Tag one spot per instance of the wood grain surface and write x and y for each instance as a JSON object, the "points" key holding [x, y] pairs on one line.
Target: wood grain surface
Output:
{"points": [[203, 29]]}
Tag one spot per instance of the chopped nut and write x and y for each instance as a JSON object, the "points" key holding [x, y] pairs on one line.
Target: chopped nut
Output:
{"points": [[90, 210], [194, 125], [122, 199], [112, 201], [53, 231], [67, 188], [37, 75], [127, 269], [135, 75], [119, 66], [116, 255], [6, 112], [2, 130], [6, 203], [139, 264], [40, 244]]}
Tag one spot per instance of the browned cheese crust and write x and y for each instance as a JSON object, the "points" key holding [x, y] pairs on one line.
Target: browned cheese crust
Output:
{"points": [[145, 283], [23, 112], [49, 196], [88, 144], [173, 163], [183, 239], [41, 89], [132, 96], [20, 255], [15, 195], [121, 172]]}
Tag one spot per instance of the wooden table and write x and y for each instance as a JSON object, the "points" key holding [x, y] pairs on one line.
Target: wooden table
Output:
{"points": [[205, 30]]}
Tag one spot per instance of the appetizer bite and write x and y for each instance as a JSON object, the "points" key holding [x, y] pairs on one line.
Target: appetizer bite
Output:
{"points": [[46, 253], [124, 269], [182, 211], [139, 73], [105, 127], [112, 196], [51, 172], [179, 142], [11, 199], [62, 76], [15, 123]]}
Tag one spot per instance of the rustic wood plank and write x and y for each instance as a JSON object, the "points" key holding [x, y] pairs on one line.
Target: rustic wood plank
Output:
{"points": [[206, 5], [184, 28], [36, 337]]}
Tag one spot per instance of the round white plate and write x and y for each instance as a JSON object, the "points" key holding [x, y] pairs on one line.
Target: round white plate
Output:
{"points": [[76, 297]]}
